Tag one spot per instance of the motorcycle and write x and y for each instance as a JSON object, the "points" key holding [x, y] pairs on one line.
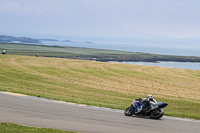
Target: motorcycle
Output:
{"points": [[148, 108]]}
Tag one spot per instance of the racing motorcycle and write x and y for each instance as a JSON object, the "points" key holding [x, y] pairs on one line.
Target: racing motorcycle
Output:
{"points": [[147, 108]]}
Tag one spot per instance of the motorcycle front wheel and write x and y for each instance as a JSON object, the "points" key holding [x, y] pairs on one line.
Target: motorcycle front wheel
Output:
{"points": [[129, 111], [157, 113]]}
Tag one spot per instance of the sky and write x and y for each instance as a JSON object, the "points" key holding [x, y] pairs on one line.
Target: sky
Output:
{"points": [[101, 18]]}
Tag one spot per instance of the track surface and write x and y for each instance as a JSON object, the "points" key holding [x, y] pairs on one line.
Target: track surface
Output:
{"points": [[39, 112]]}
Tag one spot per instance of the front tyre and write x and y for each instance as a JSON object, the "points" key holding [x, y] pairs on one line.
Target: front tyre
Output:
{"points": [[157, 113], [129, 111]]}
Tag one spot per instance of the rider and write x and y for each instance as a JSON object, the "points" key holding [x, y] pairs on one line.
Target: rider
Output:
{"points": [[145, 102], [150, 97]]}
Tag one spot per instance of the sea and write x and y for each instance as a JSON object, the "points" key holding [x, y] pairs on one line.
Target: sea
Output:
{"points": [[153, 48]]}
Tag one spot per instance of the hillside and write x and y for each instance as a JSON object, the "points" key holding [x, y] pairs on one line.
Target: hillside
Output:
{"points": [[102, 84], [10, 39]]}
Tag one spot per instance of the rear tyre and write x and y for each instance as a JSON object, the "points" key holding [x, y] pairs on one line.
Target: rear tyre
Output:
{"points": [[156, 114], [129, 111]]}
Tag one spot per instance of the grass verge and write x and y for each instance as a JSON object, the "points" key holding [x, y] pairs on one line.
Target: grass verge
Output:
{"points": [[14, 128]]}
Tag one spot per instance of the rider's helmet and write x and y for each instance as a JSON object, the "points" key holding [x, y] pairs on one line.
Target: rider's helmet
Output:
{"points": [[150, 97]]}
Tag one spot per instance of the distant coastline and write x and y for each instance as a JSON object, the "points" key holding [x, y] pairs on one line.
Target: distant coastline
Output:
{"points": [[102, 55], [12, 39], [168, 64], [119, 56], [24, 40]]}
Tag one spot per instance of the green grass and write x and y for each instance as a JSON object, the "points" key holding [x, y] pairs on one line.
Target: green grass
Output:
{"points": [[14, 128], [89, 54], [101, 84]]}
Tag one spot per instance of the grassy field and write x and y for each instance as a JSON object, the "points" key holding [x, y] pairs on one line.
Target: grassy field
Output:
{"points": [[13, 128], [102, 84], [89, 54]]}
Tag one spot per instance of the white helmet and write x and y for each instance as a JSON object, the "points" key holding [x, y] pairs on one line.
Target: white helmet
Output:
{"points": [[150, 97]]}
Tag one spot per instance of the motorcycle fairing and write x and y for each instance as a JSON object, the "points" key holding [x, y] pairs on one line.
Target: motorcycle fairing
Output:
{"points": [[161, 104]]}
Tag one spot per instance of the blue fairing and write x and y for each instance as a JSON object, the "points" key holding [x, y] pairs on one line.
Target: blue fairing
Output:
{"points": [[137, 104]]}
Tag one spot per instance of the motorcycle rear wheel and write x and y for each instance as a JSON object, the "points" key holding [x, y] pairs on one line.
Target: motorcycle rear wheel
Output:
{"points": [[156, 114], [129, 111]]}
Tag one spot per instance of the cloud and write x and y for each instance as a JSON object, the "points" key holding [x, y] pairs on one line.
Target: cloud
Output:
{"points": [[31, 7], [15, 7], [123, 17], [9, 6]]}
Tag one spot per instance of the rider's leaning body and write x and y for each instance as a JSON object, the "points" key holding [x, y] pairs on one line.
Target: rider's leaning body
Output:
{"points": [[145, 102]]}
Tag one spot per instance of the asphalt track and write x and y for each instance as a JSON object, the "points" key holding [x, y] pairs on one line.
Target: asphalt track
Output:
{"points": [[40, 112]]}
